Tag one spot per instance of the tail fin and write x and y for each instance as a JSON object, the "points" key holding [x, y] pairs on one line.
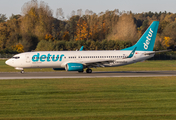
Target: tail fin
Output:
{"points": [[147, 41]]}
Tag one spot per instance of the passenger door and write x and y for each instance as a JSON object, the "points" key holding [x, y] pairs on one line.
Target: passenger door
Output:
{"points": [[28, 58]]}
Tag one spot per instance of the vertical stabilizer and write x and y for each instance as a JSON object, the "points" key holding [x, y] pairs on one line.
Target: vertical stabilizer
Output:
{"points": [[147, 41]]}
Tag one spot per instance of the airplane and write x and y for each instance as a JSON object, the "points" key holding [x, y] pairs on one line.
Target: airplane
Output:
{"points": [[80, 60]]}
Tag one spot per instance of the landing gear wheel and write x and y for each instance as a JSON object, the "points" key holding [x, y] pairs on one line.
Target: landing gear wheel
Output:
{"points": [[22, 72], [81, 71], [89, 71]]}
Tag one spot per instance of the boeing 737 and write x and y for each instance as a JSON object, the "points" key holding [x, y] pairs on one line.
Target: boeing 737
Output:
{"points": [[80, 60]]}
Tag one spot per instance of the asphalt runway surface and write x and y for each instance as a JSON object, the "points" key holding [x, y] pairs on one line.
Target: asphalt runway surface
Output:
{"points": [[52, 75]]}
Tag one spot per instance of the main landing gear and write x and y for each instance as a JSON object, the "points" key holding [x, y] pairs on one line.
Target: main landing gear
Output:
{"points": [[22, 72], [89, 70]]}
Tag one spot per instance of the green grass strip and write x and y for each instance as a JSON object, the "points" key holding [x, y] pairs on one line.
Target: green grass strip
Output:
{"points": [[89, 99]]}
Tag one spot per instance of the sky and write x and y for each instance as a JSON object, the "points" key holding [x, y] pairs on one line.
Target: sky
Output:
{"points": [[10, 7]]}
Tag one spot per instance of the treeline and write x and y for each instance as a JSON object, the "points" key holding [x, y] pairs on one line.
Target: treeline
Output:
{"points": [[76, 45], [37, 29]]}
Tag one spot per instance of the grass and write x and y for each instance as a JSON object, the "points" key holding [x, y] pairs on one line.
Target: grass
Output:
{"points": [[140, 66], [89, 99]]}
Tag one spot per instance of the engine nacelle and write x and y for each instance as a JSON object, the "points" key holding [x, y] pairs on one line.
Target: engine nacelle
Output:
{"points": [[74, 67], [58, 68]]}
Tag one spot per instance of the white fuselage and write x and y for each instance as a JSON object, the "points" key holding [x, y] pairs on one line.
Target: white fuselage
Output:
{"points": [[58, 59]]}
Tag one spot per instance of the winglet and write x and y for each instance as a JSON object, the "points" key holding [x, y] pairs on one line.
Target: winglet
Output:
{"points": [[132, 53], [81, 49]]}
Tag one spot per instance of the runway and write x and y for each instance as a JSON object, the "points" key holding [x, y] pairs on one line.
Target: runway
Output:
{"points": [[52, 75]]}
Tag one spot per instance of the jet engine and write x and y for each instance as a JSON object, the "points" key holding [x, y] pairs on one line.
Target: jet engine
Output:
{"points": [[74, 67]]}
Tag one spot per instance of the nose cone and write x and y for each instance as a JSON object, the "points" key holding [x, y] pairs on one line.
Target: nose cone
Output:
{"points": [[9, 62]]}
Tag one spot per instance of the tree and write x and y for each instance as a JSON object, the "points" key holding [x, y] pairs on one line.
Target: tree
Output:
{"points": [[29, 42], [143, 28], [3, 18], [44, 45], [37, 19], [169, 34], [60, 14], [72, 13], [170, 18], [162, 26], [4, 35], [125, 29], [66, 36], [15, 17], [18, 48], [79, 12], [81, 30], [166, 41], [48, 37], [14, 39], [73, 23]]}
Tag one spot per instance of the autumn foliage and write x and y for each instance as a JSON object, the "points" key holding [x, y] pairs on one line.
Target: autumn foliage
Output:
{"points": [[18, 47], [82, 32], [36, 25]]}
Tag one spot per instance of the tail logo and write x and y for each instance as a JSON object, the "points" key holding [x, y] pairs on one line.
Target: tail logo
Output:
{"points": [[147, 42]]}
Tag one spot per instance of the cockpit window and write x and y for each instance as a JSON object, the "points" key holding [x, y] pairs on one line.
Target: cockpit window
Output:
{"points": [[16, 57]]}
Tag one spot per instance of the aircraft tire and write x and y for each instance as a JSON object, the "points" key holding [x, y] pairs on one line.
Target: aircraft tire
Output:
{"points": [[89, 71], [22, 72]]}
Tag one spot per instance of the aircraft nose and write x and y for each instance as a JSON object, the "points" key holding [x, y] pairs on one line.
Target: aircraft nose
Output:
{"points": [[8, 62]]}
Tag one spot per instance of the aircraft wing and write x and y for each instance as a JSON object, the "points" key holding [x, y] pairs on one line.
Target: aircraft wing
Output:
{"points": [[100, 63], [96, 63]]}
